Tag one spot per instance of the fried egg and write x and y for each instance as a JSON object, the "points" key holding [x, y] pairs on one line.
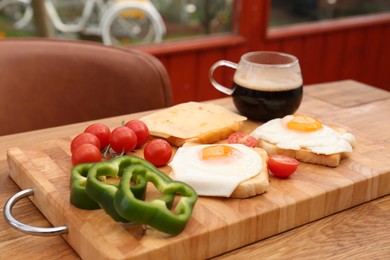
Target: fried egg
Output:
{"points": [[215, 170], [298, 131]]}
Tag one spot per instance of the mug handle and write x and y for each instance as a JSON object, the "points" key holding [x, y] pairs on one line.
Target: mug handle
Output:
{"points": [[216, 84]]}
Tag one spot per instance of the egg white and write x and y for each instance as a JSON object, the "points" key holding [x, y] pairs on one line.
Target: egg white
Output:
{"points": [[323, 141], [216, 176]]}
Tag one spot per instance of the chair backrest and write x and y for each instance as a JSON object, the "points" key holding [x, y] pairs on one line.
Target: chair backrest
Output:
{"points": [[46, 83]]}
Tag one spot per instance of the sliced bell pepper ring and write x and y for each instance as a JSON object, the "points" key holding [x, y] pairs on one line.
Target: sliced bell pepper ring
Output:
{"points": [[78, 196], [155, 213], [103, 192]]}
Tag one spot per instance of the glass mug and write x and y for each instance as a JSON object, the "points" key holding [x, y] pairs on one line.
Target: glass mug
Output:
{"points": [[266, 85]]}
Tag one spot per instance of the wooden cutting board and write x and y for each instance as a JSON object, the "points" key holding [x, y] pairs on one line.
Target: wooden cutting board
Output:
{"points": [[218, 225]]}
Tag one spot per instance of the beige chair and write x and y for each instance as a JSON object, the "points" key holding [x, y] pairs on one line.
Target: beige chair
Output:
{"points": [[46, 83]]}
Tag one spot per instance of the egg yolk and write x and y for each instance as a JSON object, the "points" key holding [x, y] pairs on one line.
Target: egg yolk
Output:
{"points": [[304, 123], [216, 151]]}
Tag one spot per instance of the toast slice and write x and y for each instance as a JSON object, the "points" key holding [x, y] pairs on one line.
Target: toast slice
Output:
{"points": [[256, 185], [305, 155], [202, 123]]}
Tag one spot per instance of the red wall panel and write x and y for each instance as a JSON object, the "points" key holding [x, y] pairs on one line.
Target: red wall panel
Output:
{"points": [[334, 47], [382, 69], [205, 90], [181, 70], [354, 54]]}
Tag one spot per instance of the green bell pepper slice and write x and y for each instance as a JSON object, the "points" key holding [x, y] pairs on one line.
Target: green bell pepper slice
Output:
{"points": [[103, 192], [78, 196], [155, 213]]}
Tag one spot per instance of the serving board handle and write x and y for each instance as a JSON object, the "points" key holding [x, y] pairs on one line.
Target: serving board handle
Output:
{"points": [[38, 231]]}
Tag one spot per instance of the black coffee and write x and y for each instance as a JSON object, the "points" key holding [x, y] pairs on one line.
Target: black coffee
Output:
{"points": [[265, 105]]}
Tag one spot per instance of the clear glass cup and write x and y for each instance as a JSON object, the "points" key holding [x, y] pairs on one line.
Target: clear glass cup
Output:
{"points": [[266, 85]]}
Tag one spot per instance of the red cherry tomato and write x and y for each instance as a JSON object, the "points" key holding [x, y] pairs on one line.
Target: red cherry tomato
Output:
{"points": [[141, 130], [123, 139], [158, 152], [84, 138], [86, 153], [282, 166], [241, 138], [102, 132]]}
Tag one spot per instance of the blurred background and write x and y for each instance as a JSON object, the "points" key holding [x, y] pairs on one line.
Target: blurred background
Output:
{"points": [[182, 18], [333, 39]]}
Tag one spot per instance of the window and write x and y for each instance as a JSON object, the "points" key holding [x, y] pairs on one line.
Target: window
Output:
{"points": [[98, 20], [284, 12], [195, 17]]}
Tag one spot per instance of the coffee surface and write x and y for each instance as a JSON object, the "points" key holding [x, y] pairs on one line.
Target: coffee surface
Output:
{"points": [[268, 79]]}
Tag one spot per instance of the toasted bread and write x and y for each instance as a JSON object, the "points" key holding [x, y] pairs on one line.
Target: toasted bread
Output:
{"points": [[193, 122], [256, 185], [302, 155], [305, 155]]}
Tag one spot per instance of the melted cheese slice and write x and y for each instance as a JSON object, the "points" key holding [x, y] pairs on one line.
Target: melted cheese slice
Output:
{"points": [[189, 120]]}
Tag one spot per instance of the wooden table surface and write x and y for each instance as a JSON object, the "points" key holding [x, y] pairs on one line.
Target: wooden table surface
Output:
{"points": [[361, 232]]}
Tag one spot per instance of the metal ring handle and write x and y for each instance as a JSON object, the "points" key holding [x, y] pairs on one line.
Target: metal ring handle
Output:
{"points": [[39, 231], [214, 82]]}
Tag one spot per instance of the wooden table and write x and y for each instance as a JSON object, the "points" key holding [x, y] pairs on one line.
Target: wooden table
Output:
{"points": [[359, 232]]}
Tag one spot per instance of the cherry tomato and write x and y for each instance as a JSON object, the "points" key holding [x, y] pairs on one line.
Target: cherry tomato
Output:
{"points": [[241, 138], [141, 130], [84, 138], [102, 132], [123, 139], [86, 153], [282, 166], [158, 152]]}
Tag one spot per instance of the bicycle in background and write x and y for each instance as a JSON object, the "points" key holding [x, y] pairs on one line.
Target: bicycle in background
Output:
{"points": [[116, 22]]}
